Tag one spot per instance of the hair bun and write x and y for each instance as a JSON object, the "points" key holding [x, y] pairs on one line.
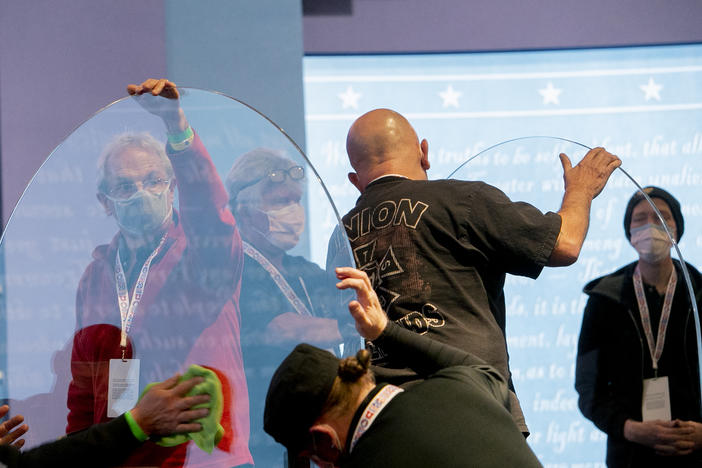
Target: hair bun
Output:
{"points": [[353, 368]]}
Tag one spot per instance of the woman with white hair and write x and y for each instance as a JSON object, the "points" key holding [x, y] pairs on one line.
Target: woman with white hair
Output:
{"points": [[284, 298]]}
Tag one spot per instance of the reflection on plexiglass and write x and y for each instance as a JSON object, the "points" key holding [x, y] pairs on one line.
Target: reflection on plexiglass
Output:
{"points": [[165, 233]]}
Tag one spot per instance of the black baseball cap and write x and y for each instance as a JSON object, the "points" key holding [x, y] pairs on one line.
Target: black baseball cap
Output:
{"points": [[296, 395]]}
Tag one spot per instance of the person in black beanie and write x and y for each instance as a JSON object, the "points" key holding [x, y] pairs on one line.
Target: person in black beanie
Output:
{"points": [[636, 370], [333, 412]]}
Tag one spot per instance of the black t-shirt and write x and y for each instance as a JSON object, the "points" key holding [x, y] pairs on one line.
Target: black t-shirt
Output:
{"points": [[437, 253]]}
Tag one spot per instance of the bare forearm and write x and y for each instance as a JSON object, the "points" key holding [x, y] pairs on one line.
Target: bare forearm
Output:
{"points": [[582, 183], [176, 122], [575, 219], [293, 328], [321, 330]]}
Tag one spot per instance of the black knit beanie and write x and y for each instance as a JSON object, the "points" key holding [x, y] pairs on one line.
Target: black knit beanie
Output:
{"points": [[655, 192]]}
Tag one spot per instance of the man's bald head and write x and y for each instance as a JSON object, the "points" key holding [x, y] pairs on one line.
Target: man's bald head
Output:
{"points": [[383, 142]]}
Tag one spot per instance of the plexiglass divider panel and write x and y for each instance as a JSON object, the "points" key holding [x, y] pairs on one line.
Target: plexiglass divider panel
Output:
{"points": [[232, 283]]}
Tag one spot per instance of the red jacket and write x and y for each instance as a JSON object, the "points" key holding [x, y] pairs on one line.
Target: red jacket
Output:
{"points": [[189, 313]]}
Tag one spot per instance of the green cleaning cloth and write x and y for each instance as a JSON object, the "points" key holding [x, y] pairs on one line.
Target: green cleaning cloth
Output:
{"points": [[212, 431]]}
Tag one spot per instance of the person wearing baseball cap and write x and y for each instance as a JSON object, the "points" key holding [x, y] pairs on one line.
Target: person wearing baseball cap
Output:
{"points": [[637, 362], [334, 412]]}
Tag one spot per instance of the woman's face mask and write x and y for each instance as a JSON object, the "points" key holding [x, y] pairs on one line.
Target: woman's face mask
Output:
{"points": [[143, 212], [651, 242], [285, 225]]}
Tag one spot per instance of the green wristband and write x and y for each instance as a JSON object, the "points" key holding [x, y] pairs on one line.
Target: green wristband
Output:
{"points": [[180, 141], [138, 433]]}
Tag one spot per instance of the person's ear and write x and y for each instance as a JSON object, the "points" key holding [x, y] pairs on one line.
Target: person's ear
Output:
{"points": [[424, 146], [326, 443], [353, 178], [106, 203]]}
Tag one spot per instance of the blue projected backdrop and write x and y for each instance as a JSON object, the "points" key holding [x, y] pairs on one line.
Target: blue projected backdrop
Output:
{"points": [[643, 104]]}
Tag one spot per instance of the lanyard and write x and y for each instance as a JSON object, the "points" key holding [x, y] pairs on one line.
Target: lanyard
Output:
{"points": [[655, 349], [275, 275], [371, 411], [127, 308]]}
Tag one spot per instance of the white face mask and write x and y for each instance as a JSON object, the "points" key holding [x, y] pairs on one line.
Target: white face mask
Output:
{"points": [[285, 225], [651, 242], [143, 212]]}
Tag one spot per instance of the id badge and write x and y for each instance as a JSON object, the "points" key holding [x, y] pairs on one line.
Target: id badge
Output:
{"points": [[123, 390], [656, 399]]}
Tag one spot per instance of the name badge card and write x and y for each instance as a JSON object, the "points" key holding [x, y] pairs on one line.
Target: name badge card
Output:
{"points": [[656, 399], [123, 390]]}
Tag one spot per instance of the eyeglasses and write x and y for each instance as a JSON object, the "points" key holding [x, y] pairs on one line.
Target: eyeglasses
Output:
{"points": [[126, 190], [275, 175], [278, 175]]}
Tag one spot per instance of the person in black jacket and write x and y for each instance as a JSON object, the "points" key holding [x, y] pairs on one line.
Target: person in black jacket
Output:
{"points": [[638, 332], [164, 410], [333, 412]]}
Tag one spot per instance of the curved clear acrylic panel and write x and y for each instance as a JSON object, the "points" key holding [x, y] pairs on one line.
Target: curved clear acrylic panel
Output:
{"points": [[233, 293], [544, 316]]}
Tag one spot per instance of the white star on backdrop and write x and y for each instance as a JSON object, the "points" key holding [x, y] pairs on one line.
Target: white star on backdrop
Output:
{"points": [[652, 90], [349, 98], [450, 97], [550, 94]]}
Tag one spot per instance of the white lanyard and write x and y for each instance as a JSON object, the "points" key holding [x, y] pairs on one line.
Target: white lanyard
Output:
{"points": [[280, 281], [655, 349], [371, 411], [127, 308]]}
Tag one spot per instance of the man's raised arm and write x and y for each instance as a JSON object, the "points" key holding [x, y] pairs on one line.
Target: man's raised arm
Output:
{"points": [[582, 184]]}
